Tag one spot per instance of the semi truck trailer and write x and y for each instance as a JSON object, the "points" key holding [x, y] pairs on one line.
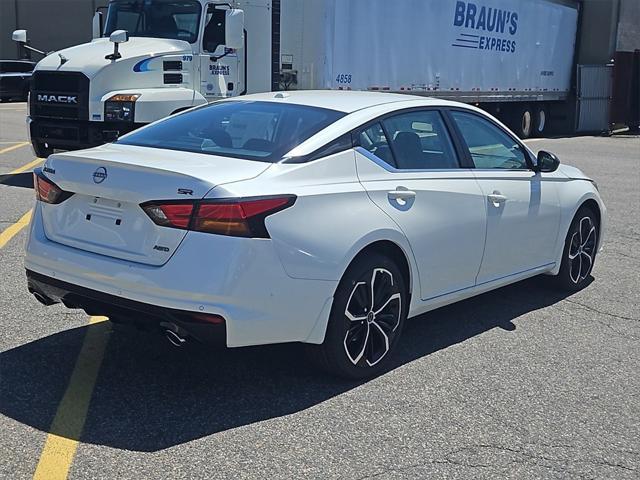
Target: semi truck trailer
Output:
{"points": [[153, 58]]}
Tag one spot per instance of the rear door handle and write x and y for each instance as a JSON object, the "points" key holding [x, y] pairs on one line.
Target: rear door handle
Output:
{"points": [[497, 198], [401, 194]]}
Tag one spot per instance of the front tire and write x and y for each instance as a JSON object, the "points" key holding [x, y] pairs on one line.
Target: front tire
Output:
{"points": [[579, 252], [369, 309]]}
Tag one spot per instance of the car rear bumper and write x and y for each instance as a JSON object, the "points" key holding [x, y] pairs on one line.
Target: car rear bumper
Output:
{"points": [[122, 310], [239, 279]]}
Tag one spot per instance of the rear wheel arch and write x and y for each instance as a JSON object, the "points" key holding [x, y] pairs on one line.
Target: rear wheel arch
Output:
{"points": [[392, 251]]}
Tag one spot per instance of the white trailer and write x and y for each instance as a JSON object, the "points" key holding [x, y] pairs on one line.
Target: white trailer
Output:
{"points": [[153, 58], [510, 56]]}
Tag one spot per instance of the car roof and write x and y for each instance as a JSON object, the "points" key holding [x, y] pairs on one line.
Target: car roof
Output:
{"points": [[340, 100]]}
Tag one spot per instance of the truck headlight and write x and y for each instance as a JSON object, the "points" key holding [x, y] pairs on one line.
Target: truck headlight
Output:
{"points": [[121, 107]]}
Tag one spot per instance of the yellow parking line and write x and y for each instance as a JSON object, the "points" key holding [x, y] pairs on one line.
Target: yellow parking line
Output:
{"points": [[14, 147], [66, 428], [13, 230], [28, 166]]}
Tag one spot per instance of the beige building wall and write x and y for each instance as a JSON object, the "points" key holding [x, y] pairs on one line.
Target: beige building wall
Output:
{"points": [[50, 24]]}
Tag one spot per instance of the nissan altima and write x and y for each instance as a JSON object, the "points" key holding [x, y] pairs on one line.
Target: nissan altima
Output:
{"points": [[326, 218]]}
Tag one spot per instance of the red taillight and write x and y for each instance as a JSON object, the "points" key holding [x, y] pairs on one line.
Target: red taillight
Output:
{"points": [[176, 215], [208, 318], [47, 191], [239, 218]]}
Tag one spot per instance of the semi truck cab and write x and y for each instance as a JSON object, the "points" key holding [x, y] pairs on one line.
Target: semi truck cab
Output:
{"points": [[148, 59]]}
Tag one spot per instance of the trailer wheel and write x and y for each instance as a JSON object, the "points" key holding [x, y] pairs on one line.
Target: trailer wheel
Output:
{"points": [[541, 120], [523, 121]]}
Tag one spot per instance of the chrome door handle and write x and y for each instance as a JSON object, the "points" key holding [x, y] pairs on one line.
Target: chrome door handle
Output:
{"points": [[497, 198], [401, 194]]}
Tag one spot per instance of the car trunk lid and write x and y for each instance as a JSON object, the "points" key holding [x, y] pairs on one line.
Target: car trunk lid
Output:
{"points": [[109, 184]]}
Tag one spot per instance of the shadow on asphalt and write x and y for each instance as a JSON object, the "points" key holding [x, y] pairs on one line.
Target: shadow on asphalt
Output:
{"points": [[150, 396]]}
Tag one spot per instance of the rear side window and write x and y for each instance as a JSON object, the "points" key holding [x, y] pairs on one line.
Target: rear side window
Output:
{"points": [[488, 145], [263, 131], [374, 140], [419, 141]]}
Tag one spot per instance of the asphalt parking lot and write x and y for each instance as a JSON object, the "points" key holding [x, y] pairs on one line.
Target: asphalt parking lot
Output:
{"points": [[523, 382]]}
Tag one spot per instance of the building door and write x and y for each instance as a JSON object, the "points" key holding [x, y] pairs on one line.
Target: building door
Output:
{"points": [[594, 98]]}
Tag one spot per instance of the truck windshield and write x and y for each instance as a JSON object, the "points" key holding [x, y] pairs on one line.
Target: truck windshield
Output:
{"points": [[263, 131], [176, 19]]}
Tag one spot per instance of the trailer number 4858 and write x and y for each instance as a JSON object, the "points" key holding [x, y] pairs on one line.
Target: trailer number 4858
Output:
{"points": [[343, 78]]}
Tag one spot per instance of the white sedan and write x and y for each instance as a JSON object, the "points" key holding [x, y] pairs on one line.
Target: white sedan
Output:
{"points": [[326, 218]]}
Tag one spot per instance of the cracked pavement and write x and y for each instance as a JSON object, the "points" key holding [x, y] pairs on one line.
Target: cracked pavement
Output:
{"points": [[519, 383]]}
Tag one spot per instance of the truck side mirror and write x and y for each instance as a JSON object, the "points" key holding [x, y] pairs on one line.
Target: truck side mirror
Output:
{"points": [[19, 36], [119, 36], [96, 26], [234, 28]]}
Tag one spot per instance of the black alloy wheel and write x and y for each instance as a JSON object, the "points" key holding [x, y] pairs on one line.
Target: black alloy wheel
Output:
{"points": [[580, 251], [367, 316]]}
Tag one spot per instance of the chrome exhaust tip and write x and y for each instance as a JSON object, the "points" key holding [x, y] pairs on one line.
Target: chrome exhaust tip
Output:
{"points": [[175, 339], [46, 301]]}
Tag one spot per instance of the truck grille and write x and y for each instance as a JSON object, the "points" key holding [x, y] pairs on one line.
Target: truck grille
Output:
{"points": [[62, 95]]}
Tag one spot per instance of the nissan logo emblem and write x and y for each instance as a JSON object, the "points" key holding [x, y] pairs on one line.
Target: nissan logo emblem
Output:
{"points": [[100, 175]]}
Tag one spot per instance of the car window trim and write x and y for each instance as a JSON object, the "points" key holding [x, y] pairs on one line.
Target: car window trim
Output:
{"points": [[380, 119], [467, 151]]}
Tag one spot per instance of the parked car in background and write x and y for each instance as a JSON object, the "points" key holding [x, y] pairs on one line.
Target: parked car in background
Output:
{"points": [[15, 77]]}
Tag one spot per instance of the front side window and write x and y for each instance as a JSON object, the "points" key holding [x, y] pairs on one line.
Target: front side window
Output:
{"points": [[419, 141], [488, 145], [175, 19], [263, 131], [214, 29]]}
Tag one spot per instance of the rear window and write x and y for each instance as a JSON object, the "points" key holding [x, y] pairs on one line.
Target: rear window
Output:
{"points": [[263, 131]]}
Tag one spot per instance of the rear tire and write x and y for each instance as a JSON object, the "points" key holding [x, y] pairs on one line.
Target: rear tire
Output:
{"points": [[579, 253], [363, 332]]}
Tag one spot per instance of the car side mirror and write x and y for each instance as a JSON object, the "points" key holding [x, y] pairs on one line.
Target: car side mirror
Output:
{"points": [[19, 36], [234, 28], [547, 162]]}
